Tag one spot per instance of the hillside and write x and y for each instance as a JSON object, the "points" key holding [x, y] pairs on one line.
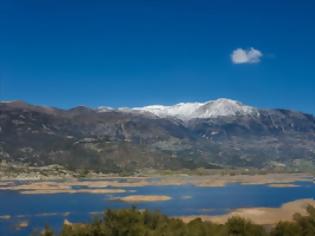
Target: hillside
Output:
{"points": [[215, 134]]}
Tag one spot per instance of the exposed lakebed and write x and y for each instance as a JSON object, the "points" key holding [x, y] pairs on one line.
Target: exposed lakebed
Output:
{"points": [[26, 205]]}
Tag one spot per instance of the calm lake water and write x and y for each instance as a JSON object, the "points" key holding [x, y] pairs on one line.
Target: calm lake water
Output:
{"points": [[53, 209]]}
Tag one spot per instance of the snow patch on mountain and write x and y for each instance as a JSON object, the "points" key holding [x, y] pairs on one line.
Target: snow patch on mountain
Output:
{"points": [[187, 111], [210, 109]]}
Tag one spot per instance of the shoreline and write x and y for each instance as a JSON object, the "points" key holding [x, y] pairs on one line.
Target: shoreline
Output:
{"points": [[118, 185], [265, 216], [260, 215], [143, 198]]}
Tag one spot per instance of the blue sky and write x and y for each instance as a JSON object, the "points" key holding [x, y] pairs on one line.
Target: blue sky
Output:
{"points": [[134, 53]]}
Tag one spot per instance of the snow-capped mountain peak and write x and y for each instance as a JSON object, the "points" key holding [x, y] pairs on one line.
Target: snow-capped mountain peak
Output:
{"points": [[187, 111]]}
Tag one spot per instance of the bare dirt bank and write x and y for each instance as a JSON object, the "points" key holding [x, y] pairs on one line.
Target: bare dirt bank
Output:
{"points": [[261, 215], [51, 187], [144, 198], [105, 185]]}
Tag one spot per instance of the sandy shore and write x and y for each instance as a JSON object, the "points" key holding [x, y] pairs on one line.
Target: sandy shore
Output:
{"points": [[22, 224], [50, 187], [102, 186], [261, 215], [144, 198], [5, 217], [93, 191], [284, 185]]}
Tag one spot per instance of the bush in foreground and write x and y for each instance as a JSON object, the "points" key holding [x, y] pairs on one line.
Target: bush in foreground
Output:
{"points": [[133, 222]]}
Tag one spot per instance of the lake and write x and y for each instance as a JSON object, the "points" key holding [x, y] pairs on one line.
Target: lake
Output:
{"points": [[36, 210]]}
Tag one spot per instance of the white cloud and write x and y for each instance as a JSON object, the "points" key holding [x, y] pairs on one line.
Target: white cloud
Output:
{"points": [[250, 56]]}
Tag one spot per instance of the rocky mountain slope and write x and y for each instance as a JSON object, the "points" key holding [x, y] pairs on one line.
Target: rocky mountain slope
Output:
{"points": [[187, 135]]}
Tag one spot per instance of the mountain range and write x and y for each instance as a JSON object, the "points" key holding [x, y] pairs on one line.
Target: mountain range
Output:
{"points": [[214, 134]]}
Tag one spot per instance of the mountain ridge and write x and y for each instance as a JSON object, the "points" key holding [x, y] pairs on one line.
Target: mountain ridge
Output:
{"points": [[146, 108], [116, 140], [192, 110]]}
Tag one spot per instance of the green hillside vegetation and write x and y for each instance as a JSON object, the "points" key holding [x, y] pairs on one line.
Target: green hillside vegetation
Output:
{"points": [[133, 222]]}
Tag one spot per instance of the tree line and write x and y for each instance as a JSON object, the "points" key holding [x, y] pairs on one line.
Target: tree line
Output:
{"points": [[133, 222]]}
